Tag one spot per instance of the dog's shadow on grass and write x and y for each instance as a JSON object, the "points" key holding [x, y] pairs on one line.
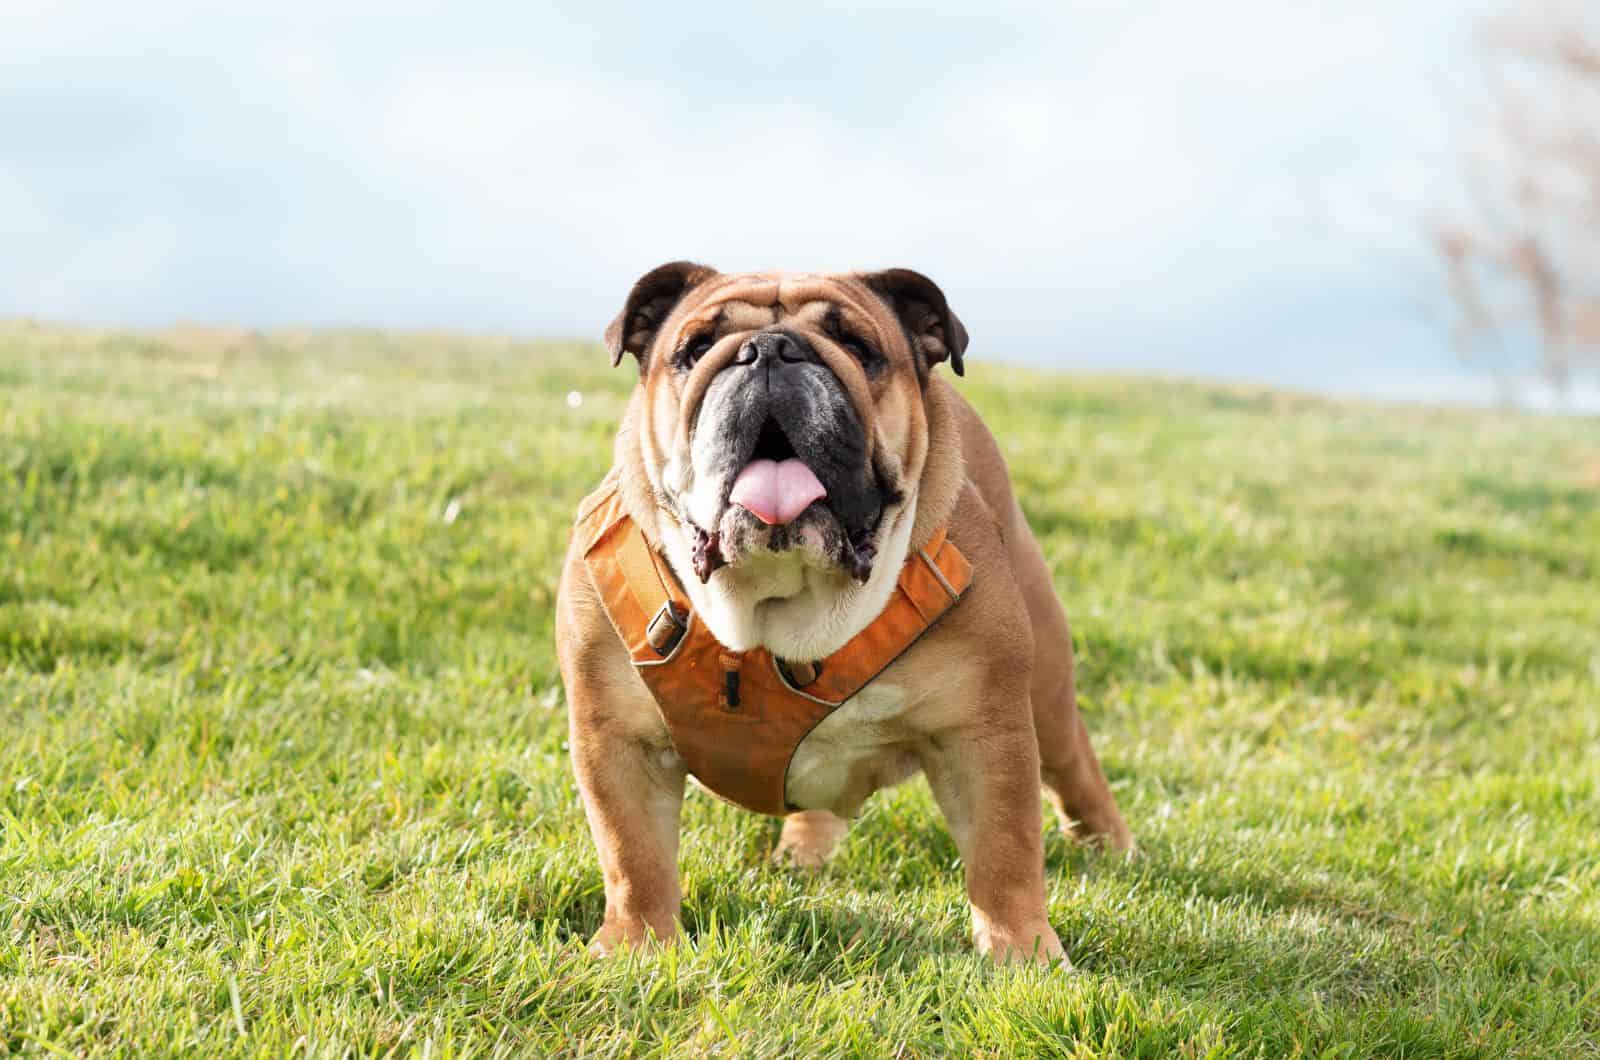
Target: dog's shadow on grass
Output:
{"points": [[1221, 933], [816, 927], [1248, 934], [1253, 932]]}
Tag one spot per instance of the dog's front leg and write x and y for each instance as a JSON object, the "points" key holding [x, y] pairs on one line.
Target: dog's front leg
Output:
{"points": [[986, 781], [632, 794]]}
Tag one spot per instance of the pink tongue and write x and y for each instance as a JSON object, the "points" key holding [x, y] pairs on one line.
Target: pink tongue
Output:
{"points": [[775, 491]]}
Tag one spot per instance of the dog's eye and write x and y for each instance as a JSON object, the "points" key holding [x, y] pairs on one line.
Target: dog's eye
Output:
{"points": [[865, 354], [697, 349]]}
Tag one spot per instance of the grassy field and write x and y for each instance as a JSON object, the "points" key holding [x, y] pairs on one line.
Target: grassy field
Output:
{"points": [[283, 764]]}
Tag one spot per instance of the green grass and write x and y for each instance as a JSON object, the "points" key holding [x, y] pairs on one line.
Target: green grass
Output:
{"points": [[282, 765]]}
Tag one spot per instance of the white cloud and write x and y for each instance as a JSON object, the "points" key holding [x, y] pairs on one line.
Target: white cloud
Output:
{"points": [[1158, 183]]}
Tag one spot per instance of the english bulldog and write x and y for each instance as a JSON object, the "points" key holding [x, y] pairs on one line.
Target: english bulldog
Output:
{"points": [[790, 451]]}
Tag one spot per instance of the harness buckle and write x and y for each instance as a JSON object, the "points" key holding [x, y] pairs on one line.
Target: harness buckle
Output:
{"points": [[667, 628]]}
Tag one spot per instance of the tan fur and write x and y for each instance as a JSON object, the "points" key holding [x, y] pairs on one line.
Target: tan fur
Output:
{"points": [[809, 838], [985, 702]]}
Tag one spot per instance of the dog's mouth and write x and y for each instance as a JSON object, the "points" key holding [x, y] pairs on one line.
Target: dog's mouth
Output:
{"points": [[783, 468], [776, 486], [773, 442], [786, 505]]}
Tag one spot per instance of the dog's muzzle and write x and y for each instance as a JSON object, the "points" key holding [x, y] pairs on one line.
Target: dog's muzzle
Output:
{"points": [[779, 451]]}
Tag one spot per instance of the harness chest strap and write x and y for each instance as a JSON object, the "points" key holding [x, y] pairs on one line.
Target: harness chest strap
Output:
{"points": [[736, 719]]}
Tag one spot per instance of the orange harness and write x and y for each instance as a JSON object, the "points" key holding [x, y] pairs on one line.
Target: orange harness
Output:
{"points": [[737, 718]]}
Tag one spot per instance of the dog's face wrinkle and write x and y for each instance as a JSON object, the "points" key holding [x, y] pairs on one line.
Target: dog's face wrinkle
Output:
{"points": [[865, 350]]}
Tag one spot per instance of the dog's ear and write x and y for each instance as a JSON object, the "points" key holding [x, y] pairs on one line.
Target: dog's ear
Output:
{"points": [[652, 298], [935, 332]]}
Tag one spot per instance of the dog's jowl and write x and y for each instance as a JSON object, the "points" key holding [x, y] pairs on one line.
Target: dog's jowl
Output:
{"points": [[806, 578]]}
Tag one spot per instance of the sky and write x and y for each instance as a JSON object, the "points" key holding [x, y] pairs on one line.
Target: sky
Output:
{"points": [[1235, 189]]}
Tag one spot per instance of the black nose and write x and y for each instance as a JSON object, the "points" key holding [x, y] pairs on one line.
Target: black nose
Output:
{"points": [[773, 347]]}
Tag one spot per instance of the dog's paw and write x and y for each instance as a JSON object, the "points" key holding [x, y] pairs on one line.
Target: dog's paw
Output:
{"points": [[1118, 844], [809, 839], [800, 856], [630, 933], [1110, 837], [1026, 946]]}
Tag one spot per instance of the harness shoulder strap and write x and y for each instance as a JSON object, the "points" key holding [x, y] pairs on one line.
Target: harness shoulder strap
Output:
{"points": [[933, 579], [643, 601]]}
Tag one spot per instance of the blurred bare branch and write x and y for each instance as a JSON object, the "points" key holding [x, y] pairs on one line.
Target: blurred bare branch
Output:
{"points": [[1522, 261]]}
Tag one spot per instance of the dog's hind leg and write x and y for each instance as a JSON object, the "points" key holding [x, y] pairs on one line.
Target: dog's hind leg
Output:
{"points": [[1071, 773], [809, 838], [1073, 780], [1068, 767]]}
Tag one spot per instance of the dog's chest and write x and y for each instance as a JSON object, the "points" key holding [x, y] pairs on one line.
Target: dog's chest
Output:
{"points": [[859, 748]]}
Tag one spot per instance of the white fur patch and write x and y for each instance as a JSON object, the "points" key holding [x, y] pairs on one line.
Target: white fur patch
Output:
{"points": [[782, 602], [826, 767]]}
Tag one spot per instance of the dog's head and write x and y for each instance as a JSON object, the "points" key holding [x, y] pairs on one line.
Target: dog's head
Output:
{"points": [[781, 418]]}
